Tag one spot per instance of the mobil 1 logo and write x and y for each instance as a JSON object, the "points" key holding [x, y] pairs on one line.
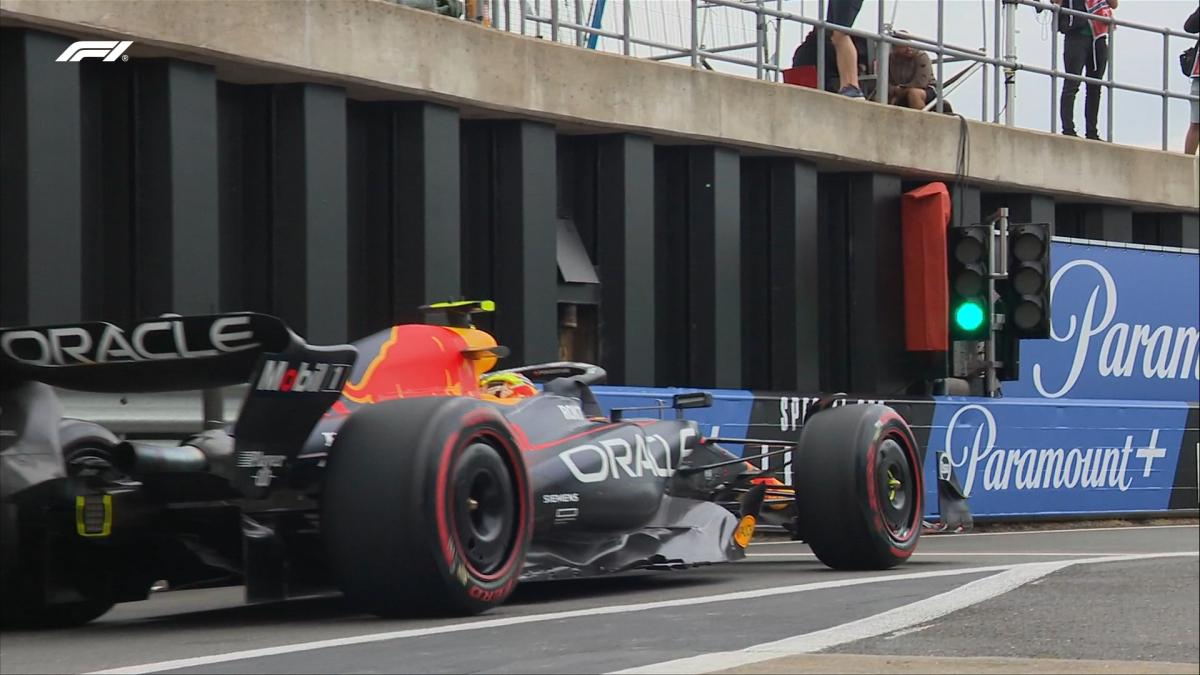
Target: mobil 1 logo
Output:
{"points": [[286, 376]]}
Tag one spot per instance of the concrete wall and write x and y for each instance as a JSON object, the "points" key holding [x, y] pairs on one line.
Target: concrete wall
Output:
{"points": [[379, 50]]}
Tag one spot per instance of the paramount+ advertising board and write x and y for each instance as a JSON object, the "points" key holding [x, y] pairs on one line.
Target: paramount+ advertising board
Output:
{"points": [[1103, 419]]}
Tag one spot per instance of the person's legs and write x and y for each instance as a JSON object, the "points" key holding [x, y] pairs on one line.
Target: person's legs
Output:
{"points": [[1096, 67], [916, 98], [1192, 141], [1075, 54], [843, 13], [847, 59]]}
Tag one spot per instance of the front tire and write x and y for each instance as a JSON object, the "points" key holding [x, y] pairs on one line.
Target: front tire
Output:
{"points": [[859, 487], [426, 508]]}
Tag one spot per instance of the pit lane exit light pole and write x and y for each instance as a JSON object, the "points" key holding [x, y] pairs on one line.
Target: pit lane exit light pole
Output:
{"points": [[997, 269]]}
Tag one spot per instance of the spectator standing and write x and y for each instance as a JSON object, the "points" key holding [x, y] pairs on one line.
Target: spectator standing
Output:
{"points": [[843, 13], [1085, 51], [1192, 141]]}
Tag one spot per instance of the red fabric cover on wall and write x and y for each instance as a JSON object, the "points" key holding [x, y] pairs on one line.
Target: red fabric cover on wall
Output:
{"points": [[805, 76], [924, 214]]}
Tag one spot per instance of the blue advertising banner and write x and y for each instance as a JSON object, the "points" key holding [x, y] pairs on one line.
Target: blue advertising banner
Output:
{"points": [[1014, 457], [1035, 457], [1125, 325]]}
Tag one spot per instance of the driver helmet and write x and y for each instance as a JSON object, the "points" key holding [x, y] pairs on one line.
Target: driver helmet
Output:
{"points": [[507, 385]]}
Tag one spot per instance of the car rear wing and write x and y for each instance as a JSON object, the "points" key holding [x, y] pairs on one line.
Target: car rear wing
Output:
{"points": [[291, 383], [166, 353]]}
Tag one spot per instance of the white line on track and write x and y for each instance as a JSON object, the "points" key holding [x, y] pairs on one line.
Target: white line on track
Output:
{"points": [[981, 554], [1022, 532], [550, 616], [890, 621]]}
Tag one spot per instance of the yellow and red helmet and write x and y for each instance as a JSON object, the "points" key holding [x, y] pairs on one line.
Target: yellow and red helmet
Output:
{"points": [[507, 385]]}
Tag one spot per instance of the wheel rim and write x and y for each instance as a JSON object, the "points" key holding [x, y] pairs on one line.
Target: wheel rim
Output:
{"points": [[484, 508], [896, 488]]}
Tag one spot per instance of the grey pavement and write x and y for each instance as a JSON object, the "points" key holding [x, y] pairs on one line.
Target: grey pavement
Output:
{"points": [[1129, 610]]}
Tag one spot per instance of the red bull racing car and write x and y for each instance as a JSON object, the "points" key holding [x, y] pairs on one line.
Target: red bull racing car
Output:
{"points": [[399, 470]]}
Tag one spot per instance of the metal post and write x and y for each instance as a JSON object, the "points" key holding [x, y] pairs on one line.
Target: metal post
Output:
{"points": [[760, 40], [941, 45], [1165, 85], [778, 39], [997, 269], [695, 51], [578, 22], [507, 16], [625, 28], [983, 104], [883, 71], [996, 68], [494, 19], [1054, 67], [1010, 70], [554, 20], [883, 57], [820, 45], [1112, 66]]}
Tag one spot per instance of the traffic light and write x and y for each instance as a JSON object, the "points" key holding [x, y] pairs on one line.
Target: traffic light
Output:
{"points": [[970, 301], [1027, 291]]}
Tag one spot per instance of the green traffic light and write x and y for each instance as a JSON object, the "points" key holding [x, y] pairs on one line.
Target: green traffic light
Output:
{"points": [[969, 317]]}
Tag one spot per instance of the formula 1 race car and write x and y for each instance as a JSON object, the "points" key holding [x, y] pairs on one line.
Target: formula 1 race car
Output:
{"points": [[384, 469]]}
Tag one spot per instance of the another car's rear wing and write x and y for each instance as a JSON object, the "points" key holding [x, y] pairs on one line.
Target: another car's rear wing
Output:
{"points": [[166, 353]]}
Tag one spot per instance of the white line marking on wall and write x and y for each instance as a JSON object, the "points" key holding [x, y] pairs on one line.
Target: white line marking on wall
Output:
{"points": [[551, 616], [891, 621]]}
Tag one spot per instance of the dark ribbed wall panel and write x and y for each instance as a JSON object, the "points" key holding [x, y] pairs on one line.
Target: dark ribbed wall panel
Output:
{"points": [[1108, 222], [626, 256], [371, 215], [108, 189], [176, 240], [404, 240], [1179, 229], [833, 192], [862, 306], [671, 218], [780, 264], [715, 260], [425, 181], [508, 236], [41, 189], [524, 243], [309, 211], [698, 221], [244, 172], [476, 161], [880, 360]]}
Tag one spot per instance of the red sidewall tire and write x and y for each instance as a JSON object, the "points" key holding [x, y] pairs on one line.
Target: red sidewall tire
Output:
{"points": [[874, 432], [388, 509], [481, 590], [839, 485]]}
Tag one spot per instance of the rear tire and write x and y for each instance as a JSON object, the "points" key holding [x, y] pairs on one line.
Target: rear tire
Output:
{"points": [[426, 508], [82, 573], [859, 487]]}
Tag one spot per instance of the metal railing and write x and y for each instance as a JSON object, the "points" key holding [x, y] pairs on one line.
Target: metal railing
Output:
{"points": [[565, 21]]}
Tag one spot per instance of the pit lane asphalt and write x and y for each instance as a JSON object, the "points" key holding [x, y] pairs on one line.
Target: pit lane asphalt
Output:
{"points": [[1145, 610]]}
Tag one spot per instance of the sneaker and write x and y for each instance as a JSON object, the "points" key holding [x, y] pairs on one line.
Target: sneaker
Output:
{"points": [[1071, 133], [1093, 137], [851, 91]]}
